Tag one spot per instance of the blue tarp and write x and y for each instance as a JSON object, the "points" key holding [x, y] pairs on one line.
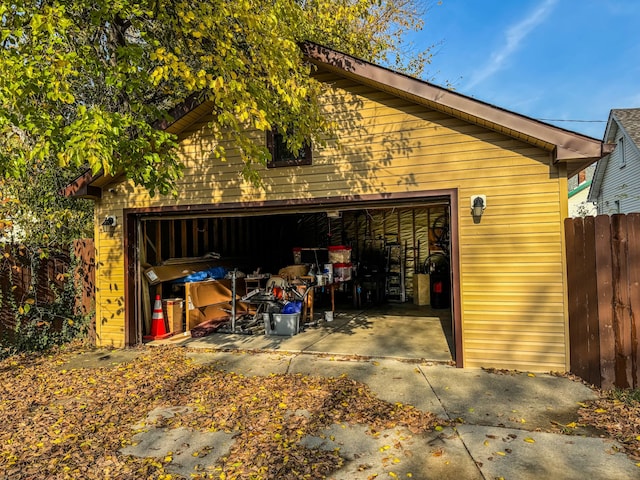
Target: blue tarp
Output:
{"points": [[213, 273]]}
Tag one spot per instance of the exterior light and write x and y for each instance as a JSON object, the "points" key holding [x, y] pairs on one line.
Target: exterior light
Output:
{"points": [[478, 204], [109, 224]]}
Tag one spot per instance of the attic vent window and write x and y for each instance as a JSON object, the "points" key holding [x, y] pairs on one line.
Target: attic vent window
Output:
{"points": [[622, 156], [281, 156]]}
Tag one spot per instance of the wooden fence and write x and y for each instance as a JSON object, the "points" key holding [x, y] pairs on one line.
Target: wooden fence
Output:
{"points": [[603, 273], [17, 283]]}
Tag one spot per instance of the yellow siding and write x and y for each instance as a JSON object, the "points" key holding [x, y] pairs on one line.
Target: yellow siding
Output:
{"points": [[511, 264]]}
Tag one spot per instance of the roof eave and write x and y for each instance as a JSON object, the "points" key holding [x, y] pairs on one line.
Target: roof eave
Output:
{"points": [[82, 187]]}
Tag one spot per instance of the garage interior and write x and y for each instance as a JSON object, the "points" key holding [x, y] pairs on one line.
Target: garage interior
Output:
{"points": [[360, 264]]}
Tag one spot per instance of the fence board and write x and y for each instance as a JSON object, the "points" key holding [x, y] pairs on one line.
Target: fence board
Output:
{"points": [[621, 320], [17, 282], [590, 282], [633, 232], [577, 335]]}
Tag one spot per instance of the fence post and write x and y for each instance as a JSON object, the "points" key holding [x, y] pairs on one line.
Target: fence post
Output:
{"points": [[605, 301]]}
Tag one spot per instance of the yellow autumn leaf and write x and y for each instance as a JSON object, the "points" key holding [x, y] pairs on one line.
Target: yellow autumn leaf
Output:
{"points": [[529, 440], [571, 425], [486, 443], [502, 454], [438, 428], [600, 410], [530, 375]]}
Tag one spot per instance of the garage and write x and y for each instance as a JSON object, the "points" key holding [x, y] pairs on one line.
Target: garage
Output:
{"points": [[404, 154], [357, 258]]}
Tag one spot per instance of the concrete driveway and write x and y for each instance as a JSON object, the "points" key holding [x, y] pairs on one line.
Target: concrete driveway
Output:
{"points": [[500, 423]]}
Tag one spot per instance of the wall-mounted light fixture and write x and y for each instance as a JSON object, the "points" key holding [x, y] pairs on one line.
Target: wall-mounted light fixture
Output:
{"points": [[334, 214], [109, 224], [478, 204]]}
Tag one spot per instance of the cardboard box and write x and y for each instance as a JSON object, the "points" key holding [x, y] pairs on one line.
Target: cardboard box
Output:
{"points": [[211, 300], [177, 268], [173, 309], [421, 289]]}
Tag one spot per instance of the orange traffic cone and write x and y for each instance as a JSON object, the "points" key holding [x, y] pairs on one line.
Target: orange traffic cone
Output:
{"points": [[158, 327]]}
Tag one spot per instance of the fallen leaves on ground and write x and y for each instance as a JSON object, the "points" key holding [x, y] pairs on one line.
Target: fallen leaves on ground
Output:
{"points": [[71, 423], [618, 413]]}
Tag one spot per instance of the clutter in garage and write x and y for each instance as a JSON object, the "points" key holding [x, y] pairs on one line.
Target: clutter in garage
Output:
{"points": [[288, 273]]}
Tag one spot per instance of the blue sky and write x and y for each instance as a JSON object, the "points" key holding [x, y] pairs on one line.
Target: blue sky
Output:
{"points": [[547, 59]]}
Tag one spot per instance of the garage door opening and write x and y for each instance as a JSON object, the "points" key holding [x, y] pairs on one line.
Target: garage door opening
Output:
{"points": [[386, 262]]}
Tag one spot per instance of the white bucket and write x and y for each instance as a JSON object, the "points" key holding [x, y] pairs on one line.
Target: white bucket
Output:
{"points": [[328, 316], [320, 279]]}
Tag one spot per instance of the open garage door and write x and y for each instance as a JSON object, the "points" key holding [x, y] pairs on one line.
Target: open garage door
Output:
{"points": [[399, 255]]}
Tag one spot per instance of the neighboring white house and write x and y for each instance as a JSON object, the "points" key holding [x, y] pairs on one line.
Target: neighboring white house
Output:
{"points": [[579, 205], [616, 183]]}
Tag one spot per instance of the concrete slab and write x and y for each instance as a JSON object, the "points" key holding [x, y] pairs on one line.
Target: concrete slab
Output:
{"points": [[101, 358], [388, 336], [158, 413], [186, 450], [313, 334], [190, 451], [515, 400], [349, 334], [395, 453], [390, 380], [510, 453], [244, 363]]}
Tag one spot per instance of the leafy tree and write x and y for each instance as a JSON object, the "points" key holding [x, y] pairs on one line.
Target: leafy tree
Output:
{"points": [[85, 81]]}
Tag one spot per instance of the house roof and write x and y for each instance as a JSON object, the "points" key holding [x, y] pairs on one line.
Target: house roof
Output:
{"points": [[629, 120], [576, 150], [625, 120]]}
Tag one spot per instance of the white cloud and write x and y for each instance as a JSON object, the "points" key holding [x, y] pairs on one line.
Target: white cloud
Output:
{"points": [[514, 36]]}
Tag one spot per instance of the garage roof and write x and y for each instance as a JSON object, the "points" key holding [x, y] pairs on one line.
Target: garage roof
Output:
{"points": [[576, 150]]}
